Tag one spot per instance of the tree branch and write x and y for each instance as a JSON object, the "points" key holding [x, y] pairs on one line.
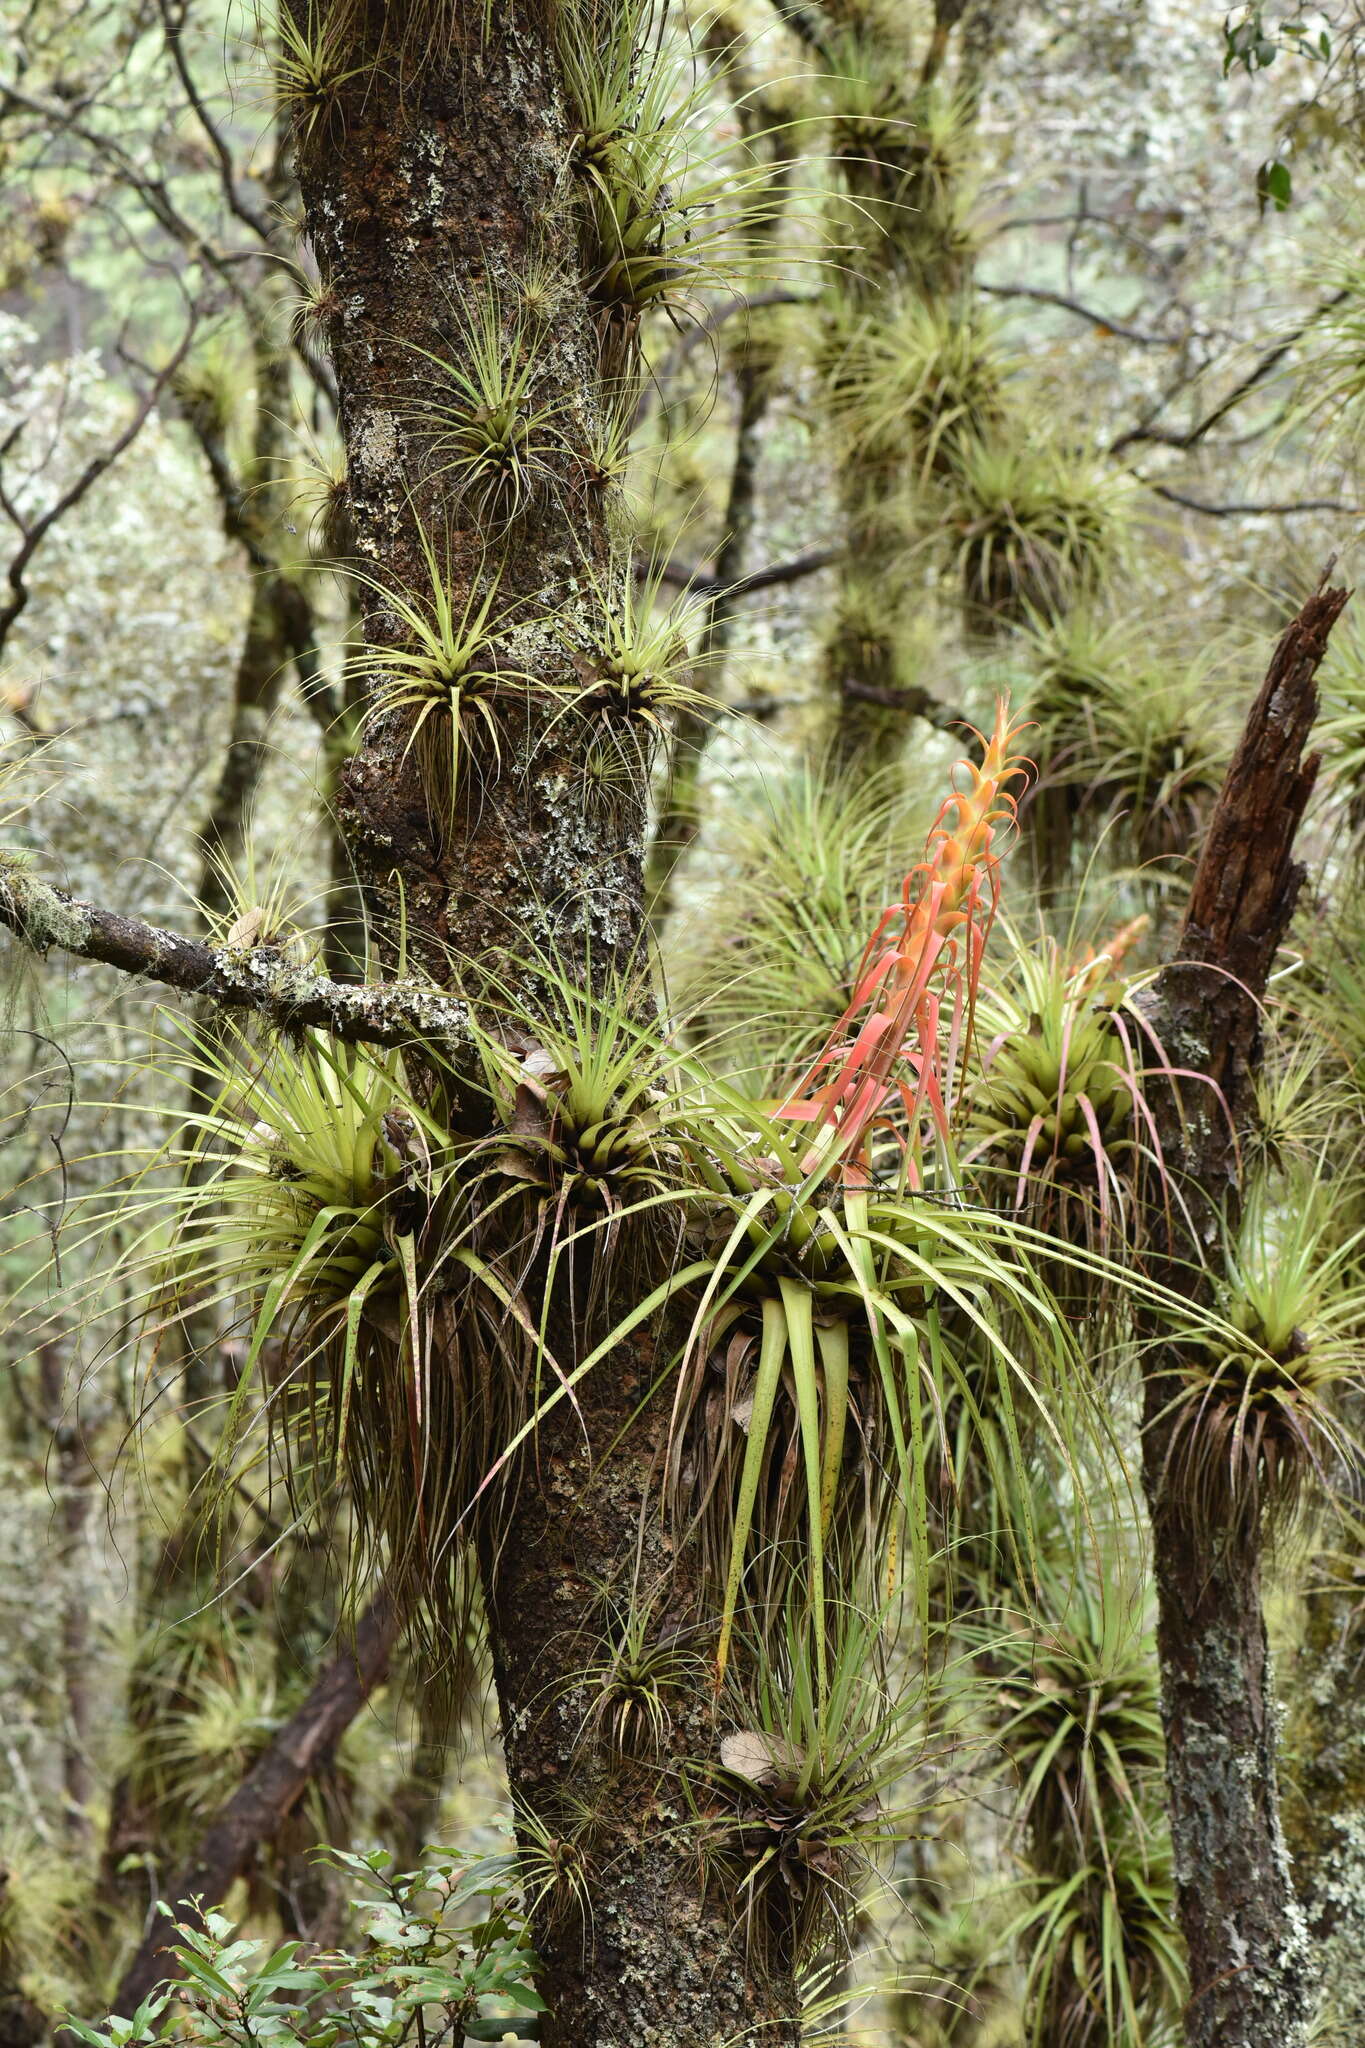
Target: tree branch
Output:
{"points": [[1097, 319], [33, 533], [256, 978], [683, 576], [1256, 376], [1242, 511], [254, 1814]]}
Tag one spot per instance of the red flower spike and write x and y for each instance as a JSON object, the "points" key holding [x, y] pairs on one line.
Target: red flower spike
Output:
{"points": [[925, 949]]}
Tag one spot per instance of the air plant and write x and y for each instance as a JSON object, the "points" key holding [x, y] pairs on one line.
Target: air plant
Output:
{"points": [[905, 151], [1341, 728], [1105, 1966], [582, 1093], [832, 1280], [826, 1266], [797, 1812], [214, 387], [868, 104], [1255, 1402], [320, 1203], [634, 656], [307, 73], [1124, 732], [633, 1688], [1054, 1110], [1078, 1726], [1039, 528], [490, 434], [917, 379], [806, 875], [669, 209], [323, 494], [45, 1912], [448, 673]]}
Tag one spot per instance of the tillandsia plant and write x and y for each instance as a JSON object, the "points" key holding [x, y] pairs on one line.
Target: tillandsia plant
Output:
{"points": [[1039, 528], [1257, 1406], [1054, 1108], [1078, 1729], [806, 875], [1129, 733], [913, 381], [321, 1210], [491, 437], [448, 670], [636, 657], [671, 211], [842, 1242], [811, 1793]]}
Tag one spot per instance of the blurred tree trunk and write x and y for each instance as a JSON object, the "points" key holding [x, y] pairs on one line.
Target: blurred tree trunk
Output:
{"points": [[1248, 1950], [903, 225], [72, 1476]]}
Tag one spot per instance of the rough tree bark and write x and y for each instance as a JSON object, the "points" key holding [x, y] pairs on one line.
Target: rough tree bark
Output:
{"points": [[1247, 1943]]}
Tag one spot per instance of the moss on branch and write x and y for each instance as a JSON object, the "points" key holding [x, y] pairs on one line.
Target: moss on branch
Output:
{"points": [[258, 978]]}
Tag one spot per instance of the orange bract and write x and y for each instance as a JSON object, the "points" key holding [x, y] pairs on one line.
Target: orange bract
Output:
{"points": [[925, 954]]}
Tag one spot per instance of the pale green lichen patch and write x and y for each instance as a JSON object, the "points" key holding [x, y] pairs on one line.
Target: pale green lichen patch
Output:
{"points": [[43, 918]]}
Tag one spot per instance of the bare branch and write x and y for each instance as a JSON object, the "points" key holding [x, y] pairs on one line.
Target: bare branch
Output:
{"points": [[32, 533], [1248, 511], [1104, 321], [256, 978], [174, 14], [683, 576], [1147, 430]]}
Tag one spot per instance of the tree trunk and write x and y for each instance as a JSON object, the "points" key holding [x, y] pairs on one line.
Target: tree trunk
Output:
{"points": [[1248, 1952], [1325, 1803], [73, 1476], [444, 174]]}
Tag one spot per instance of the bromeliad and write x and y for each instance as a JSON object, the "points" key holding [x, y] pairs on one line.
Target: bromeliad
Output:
{"points": [[923, 959]]}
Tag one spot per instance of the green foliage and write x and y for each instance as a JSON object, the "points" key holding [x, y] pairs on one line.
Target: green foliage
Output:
{"points": [[1054, 1111], [448, 671], [802, 1808], [670, 210], [1261, 1404], [45, 1902], [439, 1943], [917, 381], [1130, 731], [1038, 528], [1078, 1726], [807, 871], [308, 71], [490, 436], [635, 657]]}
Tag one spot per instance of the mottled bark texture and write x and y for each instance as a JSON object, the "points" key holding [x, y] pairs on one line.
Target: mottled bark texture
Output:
{"points": [[254, 1815], [442, 179], [1324, 1799], [1248, 1948]]}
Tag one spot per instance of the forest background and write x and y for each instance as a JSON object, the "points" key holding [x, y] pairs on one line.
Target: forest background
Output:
{"points": [[946, 354]]}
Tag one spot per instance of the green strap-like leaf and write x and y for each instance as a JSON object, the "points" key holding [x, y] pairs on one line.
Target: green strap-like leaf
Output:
{"points": [[771, 1356]]}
